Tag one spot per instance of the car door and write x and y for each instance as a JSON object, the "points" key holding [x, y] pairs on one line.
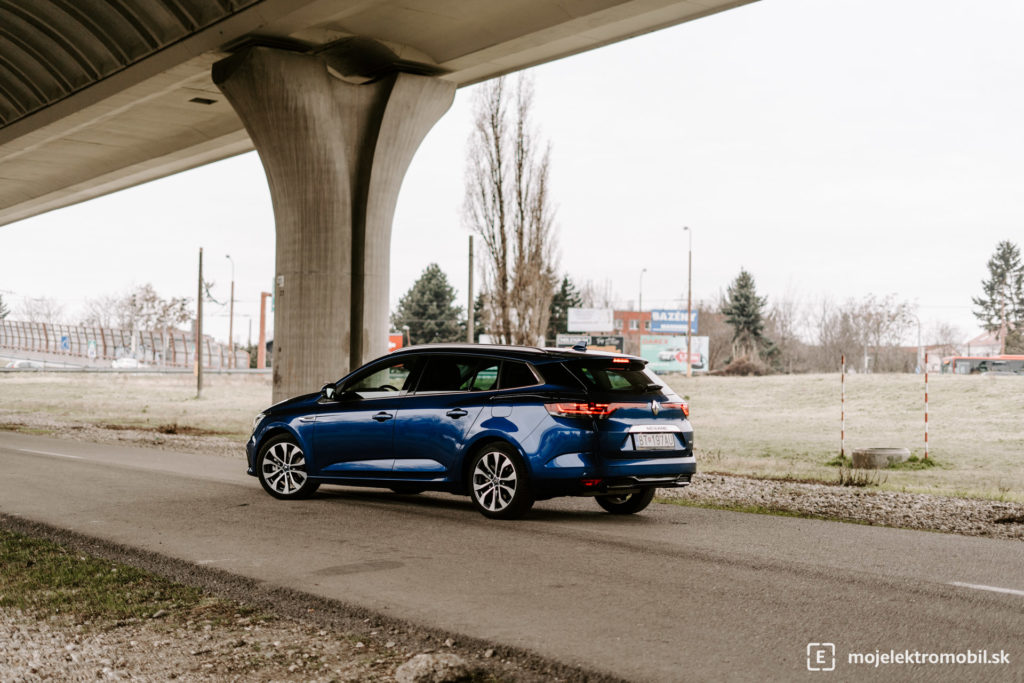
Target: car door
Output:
{"points": [[353, 436], [435, 420]]}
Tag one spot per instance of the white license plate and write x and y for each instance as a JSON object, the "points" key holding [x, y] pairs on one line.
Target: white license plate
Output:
{"points": [[654, 442]]}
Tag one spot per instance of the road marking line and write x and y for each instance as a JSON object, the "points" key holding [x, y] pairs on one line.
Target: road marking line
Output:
{"points": [[56, 455], [993, 589]]}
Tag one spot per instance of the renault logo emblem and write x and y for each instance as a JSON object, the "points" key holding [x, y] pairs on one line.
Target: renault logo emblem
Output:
{"points": [[655, 407]]}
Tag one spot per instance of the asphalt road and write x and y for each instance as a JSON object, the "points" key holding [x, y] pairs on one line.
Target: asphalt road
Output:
{"points": [[672, 594]]}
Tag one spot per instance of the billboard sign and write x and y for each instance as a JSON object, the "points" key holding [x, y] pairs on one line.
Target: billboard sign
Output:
{"points": [[567, 341], [672, 320], [606, 343], [395, 341], [591, 320], [668, 354]]}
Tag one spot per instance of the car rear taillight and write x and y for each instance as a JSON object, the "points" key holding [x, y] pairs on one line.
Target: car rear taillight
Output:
{"points": [[578, 409], [681, 405]]}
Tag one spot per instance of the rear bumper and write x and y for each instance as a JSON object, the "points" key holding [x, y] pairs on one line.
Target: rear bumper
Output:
{"points": [[583, 474], [635, 484]]}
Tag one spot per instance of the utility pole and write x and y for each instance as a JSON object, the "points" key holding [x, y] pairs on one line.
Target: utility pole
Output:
{"points": [[470, 322], [689, 302], [231, 315], [261, 351], [199, 329], [640, 292]]}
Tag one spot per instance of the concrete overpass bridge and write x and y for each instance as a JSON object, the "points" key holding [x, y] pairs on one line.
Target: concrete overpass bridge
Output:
{"points": [[335, 95]]}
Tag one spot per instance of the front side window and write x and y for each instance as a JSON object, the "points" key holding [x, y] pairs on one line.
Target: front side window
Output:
{"points": [[385, 380]]}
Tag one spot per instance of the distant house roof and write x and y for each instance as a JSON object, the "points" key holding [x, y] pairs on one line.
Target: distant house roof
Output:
{"points": [[985, 339]]}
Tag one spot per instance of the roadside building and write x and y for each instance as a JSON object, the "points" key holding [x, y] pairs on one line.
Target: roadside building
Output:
{"points": [[985, 344], [632, 325]]}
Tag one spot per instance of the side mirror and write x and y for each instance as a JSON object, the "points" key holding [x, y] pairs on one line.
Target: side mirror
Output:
{"points": [[327, 392]]}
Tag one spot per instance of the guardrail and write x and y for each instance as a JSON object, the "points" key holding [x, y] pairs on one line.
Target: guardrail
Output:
{"points": [[169, 348], [137, 371]]}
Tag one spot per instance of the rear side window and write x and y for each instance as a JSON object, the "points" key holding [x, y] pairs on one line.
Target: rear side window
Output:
{"points": [[602, 376], [446, 374], [515, 374]]}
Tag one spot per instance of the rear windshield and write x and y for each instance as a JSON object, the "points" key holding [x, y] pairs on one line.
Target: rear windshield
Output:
{"points": [[602, 376]]}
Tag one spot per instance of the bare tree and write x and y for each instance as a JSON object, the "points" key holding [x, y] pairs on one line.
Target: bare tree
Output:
{"points": [[884, 323], [507, 204], [596, 294], [946, 336], [42, 310], [140, 309], [868, 332], [102, 312], [718, 332], [783, 324]]}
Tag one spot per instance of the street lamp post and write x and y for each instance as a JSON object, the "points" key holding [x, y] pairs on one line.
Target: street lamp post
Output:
{"points": [[640, 293], [689, 299], [408, 335], [231, 316]]}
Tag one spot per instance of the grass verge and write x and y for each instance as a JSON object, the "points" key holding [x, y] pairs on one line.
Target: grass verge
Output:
{"points": [[760, 510], [44, 579]]}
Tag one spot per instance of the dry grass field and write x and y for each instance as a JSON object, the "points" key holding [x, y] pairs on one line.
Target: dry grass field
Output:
{"points": [[788, 426], [784, 426], [227, 406]]}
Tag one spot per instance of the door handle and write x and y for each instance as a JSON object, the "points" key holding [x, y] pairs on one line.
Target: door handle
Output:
{"points": [[308, 418], [456, 413], [382, 416]]}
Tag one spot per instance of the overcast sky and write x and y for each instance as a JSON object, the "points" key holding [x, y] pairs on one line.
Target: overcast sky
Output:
{"points": [[836, 149]]}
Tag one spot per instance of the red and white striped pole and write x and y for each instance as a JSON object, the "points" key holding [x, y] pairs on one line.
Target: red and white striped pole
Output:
{"points": [[925, 405], [842, 410]]}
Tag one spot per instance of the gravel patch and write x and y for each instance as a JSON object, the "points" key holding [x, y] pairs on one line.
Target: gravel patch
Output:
{"points": [[33, 650], [968, 516]]}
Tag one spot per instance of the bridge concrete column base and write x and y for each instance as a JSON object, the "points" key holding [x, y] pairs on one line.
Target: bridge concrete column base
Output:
{"points": [[335, 153]]}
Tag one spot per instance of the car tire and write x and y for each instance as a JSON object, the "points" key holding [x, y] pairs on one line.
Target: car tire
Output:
{"points": [[499, 484], [628, 504], [281, 465]]}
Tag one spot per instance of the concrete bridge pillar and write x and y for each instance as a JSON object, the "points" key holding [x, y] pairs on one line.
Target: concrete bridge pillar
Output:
{"points": [[335, 148]]}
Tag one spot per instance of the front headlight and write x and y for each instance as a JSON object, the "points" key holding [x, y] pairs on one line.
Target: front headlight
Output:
{"points": [[256, 421]]}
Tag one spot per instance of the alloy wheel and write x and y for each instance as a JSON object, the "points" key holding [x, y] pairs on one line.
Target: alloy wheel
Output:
{"points": [[284, 468], [495, 481]]}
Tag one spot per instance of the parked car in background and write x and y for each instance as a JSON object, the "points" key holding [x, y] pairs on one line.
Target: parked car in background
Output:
{"points": [[505, 425], [24, 365]]}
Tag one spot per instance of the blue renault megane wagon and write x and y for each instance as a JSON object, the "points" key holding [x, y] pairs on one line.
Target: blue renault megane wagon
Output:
{"points": [[505, 425]]}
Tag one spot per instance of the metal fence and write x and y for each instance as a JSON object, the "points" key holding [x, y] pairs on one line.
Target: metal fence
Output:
{"points": [[167, 348]]}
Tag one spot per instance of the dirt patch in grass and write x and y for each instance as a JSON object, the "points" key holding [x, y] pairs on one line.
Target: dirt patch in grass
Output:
{"points": [[173, 428], [1011, 519]]}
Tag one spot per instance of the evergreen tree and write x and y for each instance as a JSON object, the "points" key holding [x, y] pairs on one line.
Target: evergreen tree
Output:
{"points": [[427, 308], [744, 310], [566, 297], [1001, 307], [4, 310]]}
